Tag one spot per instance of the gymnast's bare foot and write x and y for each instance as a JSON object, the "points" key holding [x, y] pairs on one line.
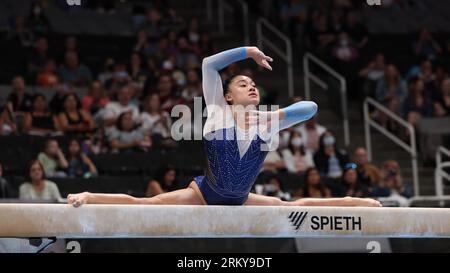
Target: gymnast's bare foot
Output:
{"points": [[77, 199]]}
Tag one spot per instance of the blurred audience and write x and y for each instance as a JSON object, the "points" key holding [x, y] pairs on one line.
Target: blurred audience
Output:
{"points": [[79, 164], [164, 181], [391, 184], [5, 187], [351, 184], [53, 160], [40, 121], [311, 132], [368, 173], [313, 186], [74, 120], [329, 160], [297, 159], [125, 137], [37, 187]]}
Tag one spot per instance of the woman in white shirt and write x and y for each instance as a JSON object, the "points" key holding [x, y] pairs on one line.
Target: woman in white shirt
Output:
{"points": [[38, 188], [154, 119], [297, 159]]}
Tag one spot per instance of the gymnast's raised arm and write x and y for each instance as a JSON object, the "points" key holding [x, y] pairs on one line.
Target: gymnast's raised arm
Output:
{"points": [[212, 83]]}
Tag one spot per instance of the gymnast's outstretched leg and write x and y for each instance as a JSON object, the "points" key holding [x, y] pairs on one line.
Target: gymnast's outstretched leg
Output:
{"points": [[262, 200], [188, 196]]}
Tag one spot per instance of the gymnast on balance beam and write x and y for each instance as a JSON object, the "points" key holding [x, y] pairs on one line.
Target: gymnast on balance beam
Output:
{"points": [[233, 137]]}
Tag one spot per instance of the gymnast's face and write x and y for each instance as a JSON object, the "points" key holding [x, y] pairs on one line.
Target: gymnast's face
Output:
{"points": [[242, 91]]}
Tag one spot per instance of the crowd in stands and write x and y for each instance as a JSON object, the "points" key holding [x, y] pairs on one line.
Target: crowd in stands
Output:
{"points": [[126, 109], [414, 86]]}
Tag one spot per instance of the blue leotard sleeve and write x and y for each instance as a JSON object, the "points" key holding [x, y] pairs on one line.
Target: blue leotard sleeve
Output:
{"points": [[212, 83], [297, 112]]}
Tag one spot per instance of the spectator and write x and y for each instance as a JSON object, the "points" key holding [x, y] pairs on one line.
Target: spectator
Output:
{"points": [[350, 182], [172, 37], [96, 143], [193, 32], [172, 19], [329, 160], [126, 138], [193, 87], [38, 57], [142, 46], [391, 184], [52, 158], [56, 103], [390, 91], [38, 188], [321, 36], [345, 51], [442, 103], [368, 173], [96, 99], [21, 34], [19, 99], [5, 187], [313, 186], [273, 163], [371, 74], [423, 71], [291, 12], [79, 164], [417, 105], [8, 122], [123, 104], [374, 71], [426, 46], [73, 119], [186, 57], [311, 132], [153, 24], [296, 158], [40, 120], [48, 77], [38, 20], [356, 30], [154, 119], [105, 76], [70, 45], [137, 74], [206, 45], [165, 181], [119, 77], [73, 72], [273, 187], [166, 92]]}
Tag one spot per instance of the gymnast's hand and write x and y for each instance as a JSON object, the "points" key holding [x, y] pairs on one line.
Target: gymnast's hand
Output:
{"points": [[259, 57], [78, 199], [264, 118]]}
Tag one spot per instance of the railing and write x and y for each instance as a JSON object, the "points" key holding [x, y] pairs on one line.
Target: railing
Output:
{"points": [[440, 199], [440, 174], [245, 21], [222, 7], [343, 87], [410, 148], [286, 55]]}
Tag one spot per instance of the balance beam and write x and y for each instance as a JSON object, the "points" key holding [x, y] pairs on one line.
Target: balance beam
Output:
{"points": [[134, 221]]}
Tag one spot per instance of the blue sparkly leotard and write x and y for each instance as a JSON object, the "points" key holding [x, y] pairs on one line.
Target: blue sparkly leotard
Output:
{"points": [[232, 164]]}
